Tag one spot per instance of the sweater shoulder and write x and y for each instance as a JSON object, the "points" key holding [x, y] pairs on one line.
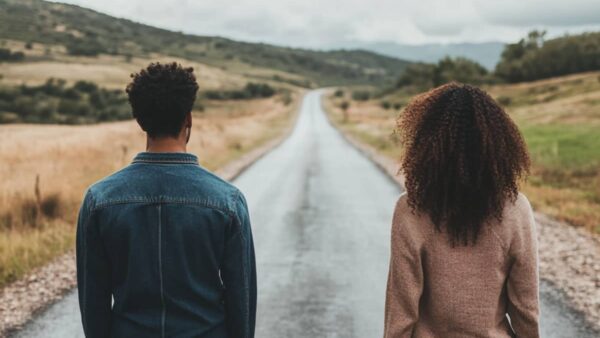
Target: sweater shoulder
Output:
{"points": [[409, 222], [517, 223]]}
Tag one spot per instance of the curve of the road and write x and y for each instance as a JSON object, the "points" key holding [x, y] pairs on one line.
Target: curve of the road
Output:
{"points": [[321, 216]]}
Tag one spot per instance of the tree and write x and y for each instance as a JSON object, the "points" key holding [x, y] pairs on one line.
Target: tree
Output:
{"points": [[459, 69], [417, 75], [534, 58], [423, 76], [345, 105]]}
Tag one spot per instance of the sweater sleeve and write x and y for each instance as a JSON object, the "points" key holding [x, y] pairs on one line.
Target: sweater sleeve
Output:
{"points": [[405, 278], [522, 283]]}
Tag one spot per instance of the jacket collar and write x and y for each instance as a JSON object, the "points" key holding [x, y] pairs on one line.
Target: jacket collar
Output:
{"points": [[173, 158]]}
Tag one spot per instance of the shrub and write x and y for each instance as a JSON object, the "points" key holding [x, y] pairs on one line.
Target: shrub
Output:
{"points": [[361, 95], [385, 105], [54, 102], [85, 86], [250, 91], [338, 93], [286, 98], [8, 55], [259, 90], [84, 47], [345, 105], [504, 100], [52, 206]]}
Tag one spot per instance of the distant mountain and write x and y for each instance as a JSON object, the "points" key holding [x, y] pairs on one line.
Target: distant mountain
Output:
{"points": [[86, 32], [486, 53]]}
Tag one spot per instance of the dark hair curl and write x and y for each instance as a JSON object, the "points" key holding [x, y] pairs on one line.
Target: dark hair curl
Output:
{"points": [[161, 95], [462, 158]]}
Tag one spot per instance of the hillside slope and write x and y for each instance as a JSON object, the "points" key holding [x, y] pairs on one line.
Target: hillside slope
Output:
{"points": [[86, 32]]}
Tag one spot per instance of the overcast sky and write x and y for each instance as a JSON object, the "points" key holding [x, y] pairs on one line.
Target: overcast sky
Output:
{"points": [[326, 23]]}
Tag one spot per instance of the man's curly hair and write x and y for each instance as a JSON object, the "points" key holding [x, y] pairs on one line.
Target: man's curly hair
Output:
{"points": [[462, 159], [161, 95]]}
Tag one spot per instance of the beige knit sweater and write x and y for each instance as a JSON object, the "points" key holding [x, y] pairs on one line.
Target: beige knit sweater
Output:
{"points": [[436, 290]]}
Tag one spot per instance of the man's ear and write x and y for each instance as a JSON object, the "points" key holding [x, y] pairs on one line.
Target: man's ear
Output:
{"points": [[188, 120], [139, 124]]}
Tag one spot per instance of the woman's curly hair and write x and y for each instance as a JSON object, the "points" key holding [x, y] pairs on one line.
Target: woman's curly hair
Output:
{"points": [[161, 95], [462, 158]]}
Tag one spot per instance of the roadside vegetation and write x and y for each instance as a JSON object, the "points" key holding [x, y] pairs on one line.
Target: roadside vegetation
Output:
{"points": [[250, 91], [65, 121], [7, 55], [531, 58], [559, 117], [534, 58], [47, 168], [55, 102], [85, 102]]}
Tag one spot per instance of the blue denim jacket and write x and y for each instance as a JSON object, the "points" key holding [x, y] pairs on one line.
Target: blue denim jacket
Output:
{"points": [[170, 244]]}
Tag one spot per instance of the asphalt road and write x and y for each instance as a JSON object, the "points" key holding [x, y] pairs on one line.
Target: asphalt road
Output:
{"points": [[321, 216]]}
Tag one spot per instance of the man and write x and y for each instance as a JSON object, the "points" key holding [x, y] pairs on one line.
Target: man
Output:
{"points": [[168, 241]]}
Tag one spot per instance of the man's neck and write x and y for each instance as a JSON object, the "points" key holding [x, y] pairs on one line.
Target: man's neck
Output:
{"points": [[165, 145]]}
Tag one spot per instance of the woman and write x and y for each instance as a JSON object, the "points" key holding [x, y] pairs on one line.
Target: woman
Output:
{"points": [[464, 250]]}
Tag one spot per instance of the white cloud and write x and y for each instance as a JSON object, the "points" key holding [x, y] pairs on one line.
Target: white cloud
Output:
{"points": [[541, 12], [312, 23]]}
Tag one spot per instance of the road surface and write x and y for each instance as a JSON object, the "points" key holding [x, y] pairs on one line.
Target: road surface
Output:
{"points": [[321, 216]]}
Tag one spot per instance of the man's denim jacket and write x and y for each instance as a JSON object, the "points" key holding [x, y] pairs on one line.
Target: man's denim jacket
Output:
{"points": [[164, 249]]}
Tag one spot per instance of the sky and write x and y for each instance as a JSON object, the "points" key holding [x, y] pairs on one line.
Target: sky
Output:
{"points": [[327, 23]]}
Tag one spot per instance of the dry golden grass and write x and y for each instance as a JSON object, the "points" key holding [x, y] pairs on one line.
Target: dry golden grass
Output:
{"points": [[109, 71], [70, 158], [113, 71], [22, 251], [67, 159], [560, 119]]}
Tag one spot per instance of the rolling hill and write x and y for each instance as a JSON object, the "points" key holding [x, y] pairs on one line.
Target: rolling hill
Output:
{"points": [[485, 53], [85, 32]]}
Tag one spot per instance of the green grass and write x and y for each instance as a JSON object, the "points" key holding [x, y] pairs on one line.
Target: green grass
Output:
{"points": [[560, 121], [564, 147]]}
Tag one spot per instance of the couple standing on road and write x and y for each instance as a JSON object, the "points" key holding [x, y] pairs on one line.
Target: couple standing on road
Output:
{"points": [[165, 249]]}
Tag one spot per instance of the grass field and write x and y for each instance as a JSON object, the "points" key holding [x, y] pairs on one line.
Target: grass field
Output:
{"points": [[35, 227], [560, 119], [46, 168], [108, 71]]}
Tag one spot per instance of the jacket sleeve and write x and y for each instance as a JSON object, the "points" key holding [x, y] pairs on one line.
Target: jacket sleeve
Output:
{"points": [[239, 274], [93, 274], [405, 279], [522, 282]]}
